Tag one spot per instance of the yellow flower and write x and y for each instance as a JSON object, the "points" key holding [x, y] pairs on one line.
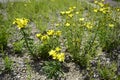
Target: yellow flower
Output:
{"points": [[38, 35], [74, 7], [50, 32], [57, 25], [62, 12], [103, 0], [68, 12], [77, 12], [70, 15], [118, 9], [95, 10], [95, 2], [58, 33], [21, 22], [101, 9], [58, 56], [57, 49], [67, 24], [111, 25], [101, 4], [81, 19], [104, 11], [61, 57], [89, 25], [44, 37], [53, 54]]}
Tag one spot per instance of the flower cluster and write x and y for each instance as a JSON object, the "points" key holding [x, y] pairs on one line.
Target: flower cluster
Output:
{"points": [[102, 7], [67, 24], [118, 9], [69, 12], [21, 22], [48, 34], [89, 25], [81, 19], [111, 25], [57, 55]]}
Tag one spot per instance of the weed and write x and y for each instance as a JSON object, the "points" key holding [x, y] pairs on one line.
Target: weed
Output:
{"points": [[8, 63], [52, 69], [18, 46], [107, 72], [3, 37]]}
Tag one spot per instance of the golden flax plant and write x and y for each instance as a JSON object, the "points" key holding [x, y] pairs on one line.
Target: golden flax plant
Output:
{"points": [[22, 24]]}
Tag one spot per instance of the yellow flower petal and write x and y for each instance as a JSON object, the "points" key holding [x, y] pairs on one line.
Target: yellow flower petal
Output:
{"points": [[61, 57], [67, 24], [50, 32], [57, 49]]}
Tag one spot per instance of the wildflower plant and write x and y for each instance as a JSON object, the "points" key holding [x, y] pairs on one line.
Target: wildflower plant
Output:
{"points": [[48, 40], [22, 24], [57, 55], [53, 69]]}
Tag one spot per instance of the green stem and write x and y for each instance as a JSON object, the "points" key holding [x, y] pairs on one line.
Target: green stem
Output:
{"points": [[26, 41]]}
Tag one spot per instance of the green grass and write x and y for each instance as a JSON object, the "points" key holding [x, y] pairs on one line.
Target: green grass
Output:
{"points": [[41, 12]]}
